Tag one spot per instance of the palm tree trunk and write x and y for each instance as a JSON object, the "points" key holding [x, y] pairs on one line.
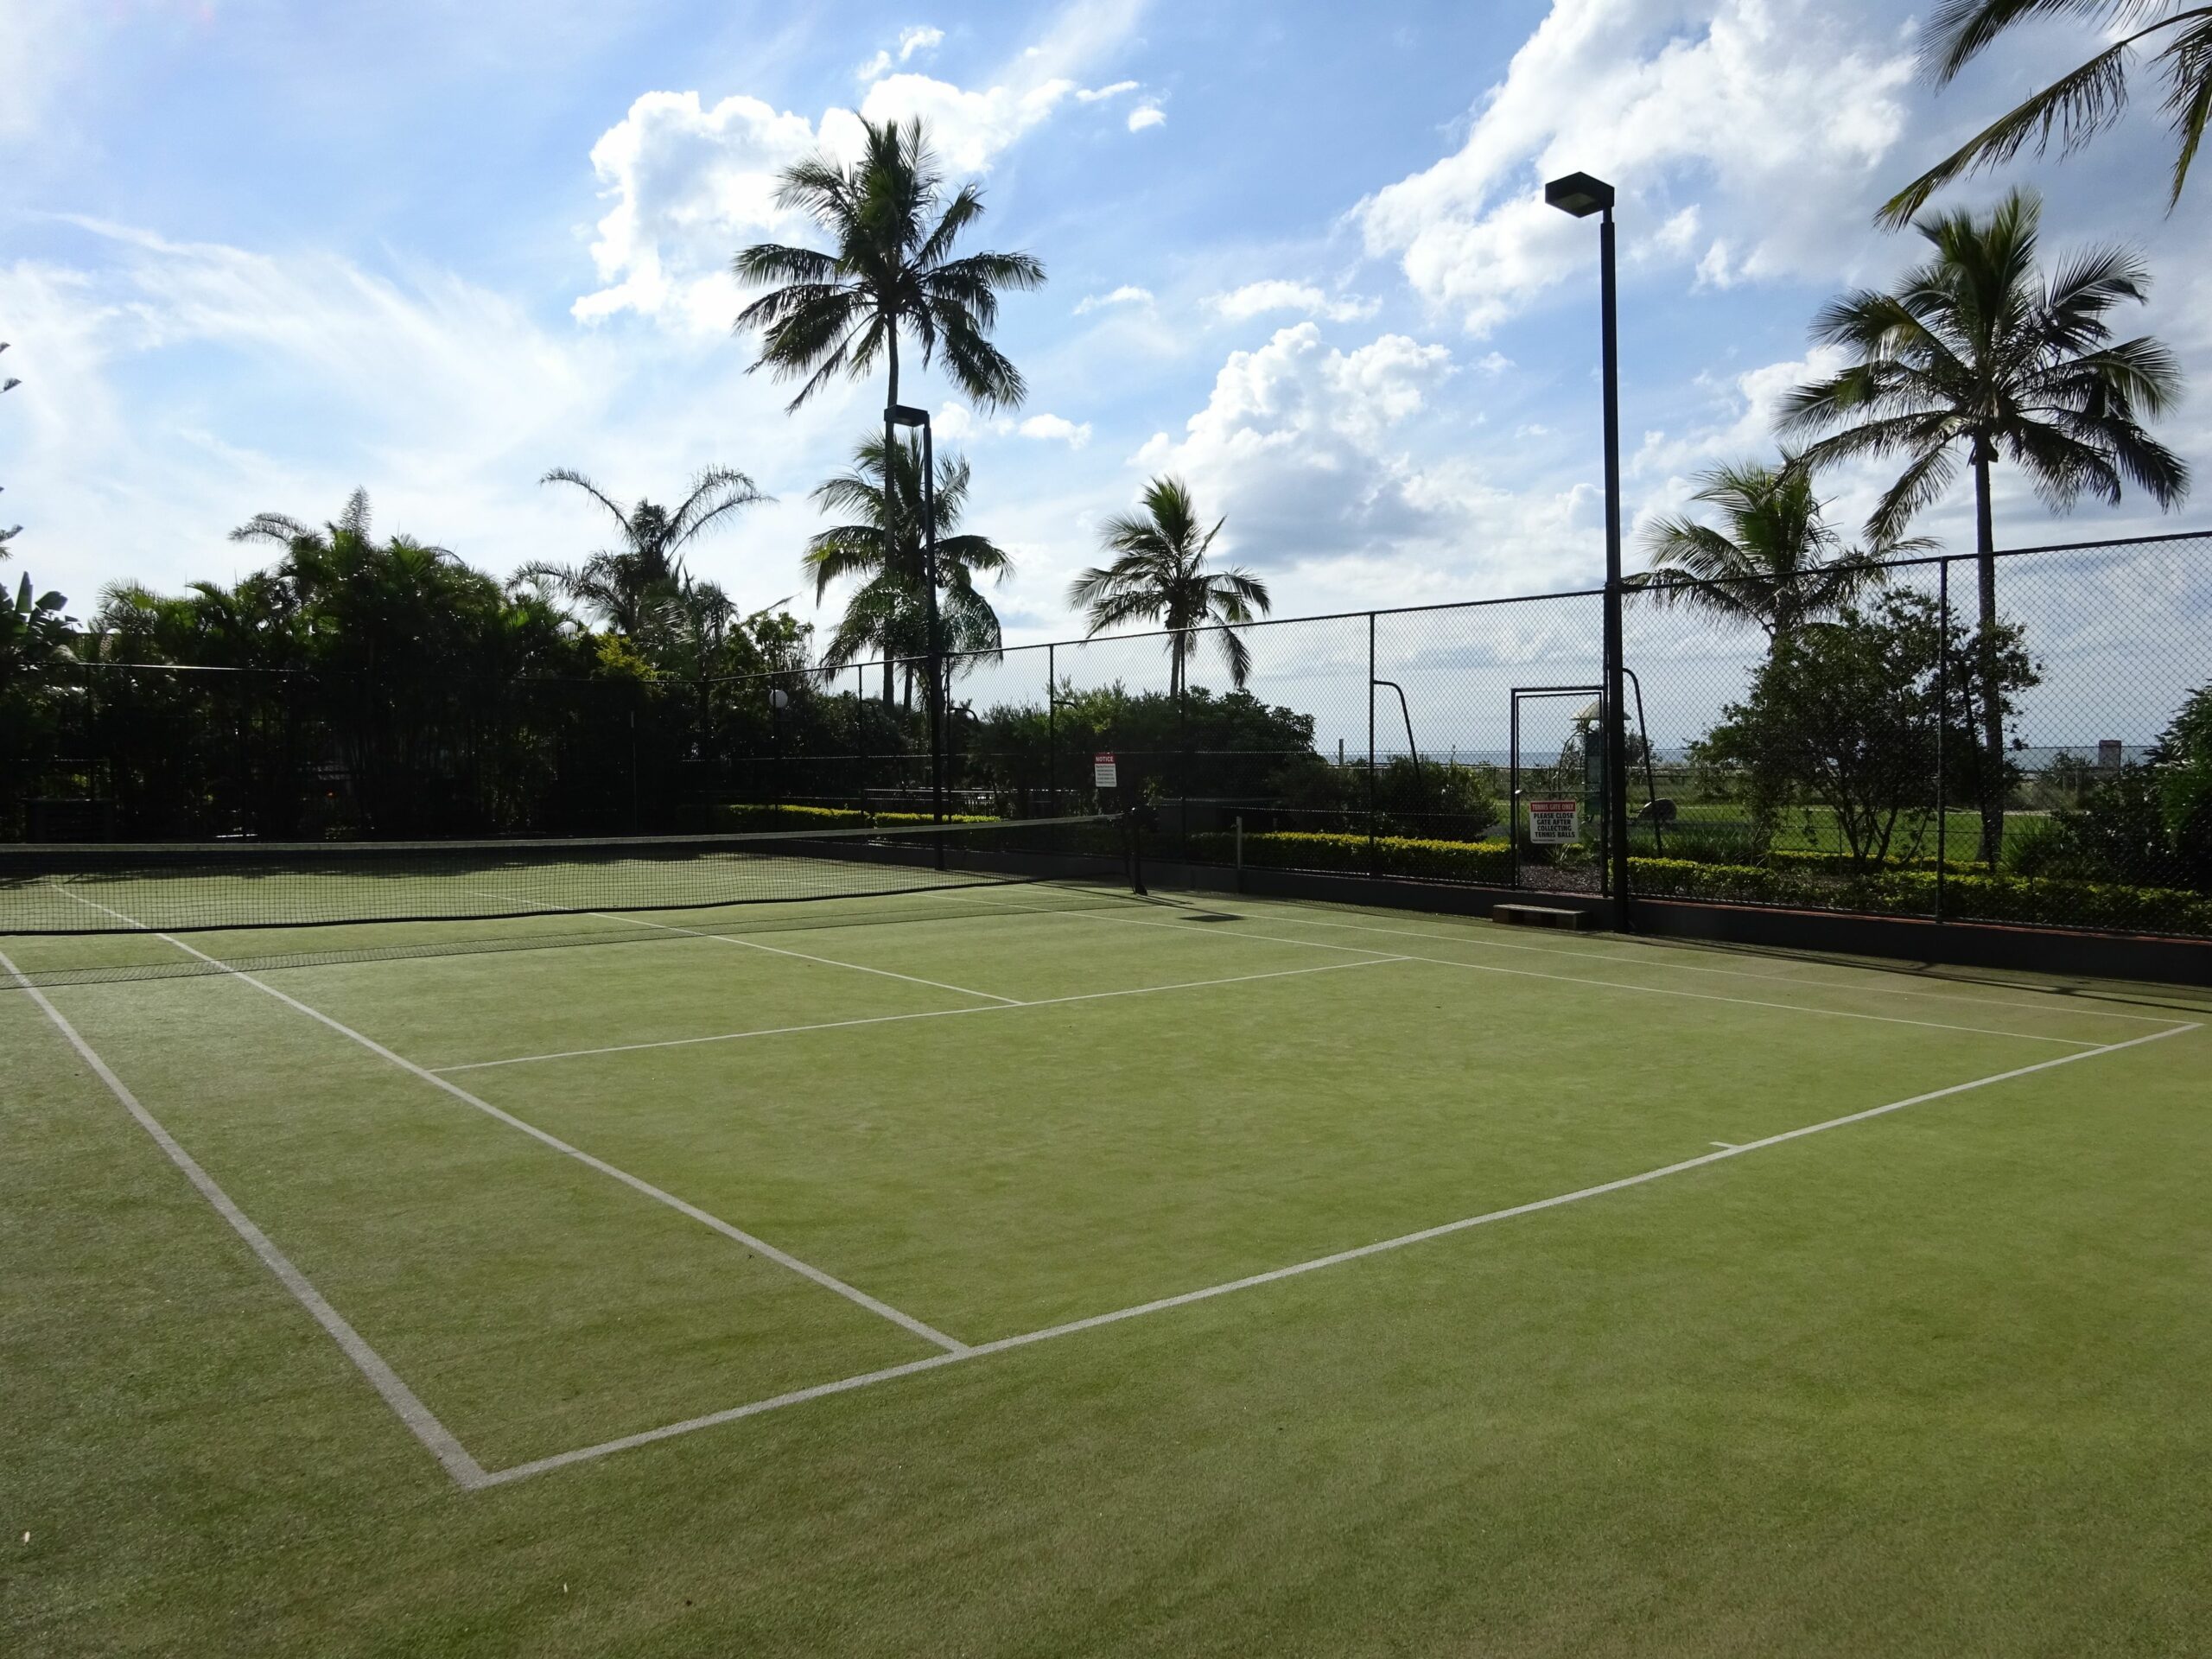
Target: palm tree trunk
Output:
{"points": [[888, 698], [1992, 703]]}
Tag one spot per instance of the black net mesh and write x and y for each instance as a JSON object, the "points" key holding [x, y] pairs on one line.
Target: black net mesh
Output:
{"points": [[78, 889]]}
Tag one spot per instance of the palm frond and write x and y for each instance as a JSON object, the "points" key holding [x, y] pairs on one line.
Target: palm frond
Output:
{"points": [[2075, 108], [567, 475]]}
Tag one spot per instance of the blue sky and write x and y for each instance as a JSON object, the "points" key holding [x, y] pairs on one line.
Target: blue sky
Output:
{"points": [[260, 252]]}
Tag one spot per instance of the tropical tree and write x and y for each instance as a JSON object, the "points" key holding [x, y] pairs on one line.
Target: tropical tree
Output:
{"points": [[1160, 575], [889, 267], [887, 614], [1778, 562], [2080, 104], [1854, 718], [34, 633], [1975, 354], [622, 585]]}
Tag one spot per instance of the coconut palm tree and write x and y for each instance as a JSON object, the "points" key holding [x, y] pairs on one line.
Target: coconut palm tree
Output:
{"points": [[887, 613], [1778, 562], [2080, 104], [1160, 575], [890, 267], [623, 585], [1976, 353]]}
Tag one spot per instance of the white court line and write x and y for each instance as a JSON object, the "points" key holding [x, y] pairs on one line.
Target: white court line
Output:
{"points": [[1469, 936], [806, 1270], [523, 1471], [928, 1014], [778, 951], [411, 1411], [1611, 984]]}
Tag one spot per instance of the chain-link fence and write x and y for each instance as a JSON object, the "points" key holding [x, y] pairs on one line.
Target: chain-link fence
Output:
{"points": [[1878, 745], [1860, 744]]}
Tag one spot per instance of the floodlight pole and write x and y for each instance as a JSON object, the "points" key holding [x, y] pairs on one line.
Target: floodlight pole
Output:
{"points": [[902, 415], [1580, 194]]}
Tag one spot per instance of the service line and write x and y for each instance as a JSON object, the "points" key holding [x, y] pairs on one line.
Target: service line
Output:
{"points": [[926, 1014], [760, 1246], [867, 1379], [418, 1417]]}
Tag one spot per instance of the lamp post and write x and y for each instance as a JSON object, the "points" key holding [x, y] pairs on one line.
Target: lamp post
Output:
{"points": [[1581, 195], [904, 415]]}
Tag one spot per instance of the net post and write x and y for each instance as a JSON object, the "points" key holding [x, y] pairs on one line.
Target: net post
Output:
{"points": [[1370, 745], [1240, 852], [1132, 831]]}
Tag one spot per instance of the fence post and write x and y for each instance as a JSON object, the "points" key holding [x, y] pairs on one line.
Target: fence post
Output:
{"points": [[1942, 720], [860, 733], [1051, 733], [1370, 745]]}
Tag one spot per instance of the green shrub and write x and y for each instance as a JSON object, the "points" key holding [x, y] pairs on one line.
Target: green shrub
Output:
{"points": [[1969, 894], [1486, 861], [1807, 881], [740, 816]]}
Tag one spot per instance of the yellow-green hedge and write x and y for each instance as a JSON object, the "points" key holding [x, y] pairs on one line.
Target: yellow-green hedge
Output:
{"points": [[730, 817], [1811, 882], [1486, 861]]}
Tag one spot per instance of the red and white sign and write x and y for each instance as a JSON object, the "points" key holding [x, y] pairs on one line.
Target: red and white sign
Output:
{"points": [[1555, 824], [1103, 772]]}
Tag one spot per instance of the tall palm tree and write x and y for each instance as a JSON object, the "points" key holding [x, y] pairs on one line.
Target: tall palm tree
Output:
{"points": [[888, 613], [1778, 562], [2080, 104], [1976, 352], [1160, 575], [623, 585], [889, 267]]}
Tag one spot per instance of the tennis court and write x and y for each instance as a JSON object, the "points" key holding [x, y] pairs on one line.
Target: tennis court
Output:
{"points": [[558, 1188]]}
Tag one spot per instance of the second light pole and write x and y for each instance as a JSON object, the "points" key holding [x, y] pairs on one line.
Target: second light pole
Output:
{"points": [[903, 414], [1582, 195]]}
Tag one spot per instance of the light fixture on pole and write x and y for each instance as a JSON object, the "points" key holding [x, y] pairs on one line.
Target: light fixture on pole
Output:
{"points": [[1581, 195], [907, 416]]}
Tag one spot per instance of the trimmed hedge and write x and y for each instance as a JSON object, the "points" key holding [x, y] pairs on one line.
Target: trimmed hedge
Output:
{"points": [[729, 817], [1969, 894], [1483, 862], [1807, 881]]}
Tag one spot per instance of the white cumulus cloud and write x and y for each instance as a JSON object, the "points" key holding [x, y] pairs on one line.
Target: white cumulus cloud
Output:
{"points": [[1128, 294], [1737, 99], [1295, 444], [1051, 427], [911, 41], [689, 182], [1146, 115], [1257, 299]]}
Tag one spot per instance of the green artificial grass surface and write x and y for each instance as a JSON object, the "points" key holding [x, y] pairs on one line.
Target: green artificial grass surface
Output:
{"points": [[1928, 1383]]}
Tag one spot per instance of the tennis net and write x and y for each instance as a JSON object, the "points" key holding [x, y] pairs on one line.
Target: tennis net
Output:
{"points": [[105, 888]]}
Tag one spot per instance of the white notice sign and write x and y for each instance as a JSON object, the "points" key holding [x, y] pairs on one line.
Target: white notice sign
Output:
{"points": [[1102, 772], [1554, 823]]}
